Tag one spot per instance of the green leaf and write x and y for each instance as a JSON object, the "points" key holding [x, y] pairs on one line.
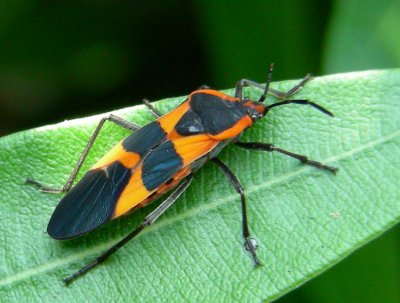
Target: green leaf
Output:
{"points": [[373, 271], [305, 219]]}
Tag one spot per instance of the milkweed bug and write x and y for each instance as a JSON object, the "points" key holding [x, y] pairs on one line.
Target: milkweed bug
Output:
{"points": [[162, 156]]}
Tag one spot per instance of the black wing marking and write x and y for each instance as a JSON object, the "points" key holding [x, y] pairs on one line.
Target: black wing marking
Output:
{"points": [[160, 165], [90, 203]]}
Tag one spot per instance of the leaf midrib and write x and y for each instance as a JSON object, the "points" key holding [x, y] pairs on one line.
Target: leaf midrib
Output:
{"points": [[190, 212]]}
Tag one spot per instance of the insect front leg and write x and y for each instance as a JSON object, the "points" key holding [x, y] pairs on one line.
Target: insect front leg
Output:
{"points": [[271, 148], [295, 89], [250, 243], [276, 93], [150, 219], [67, 186]]}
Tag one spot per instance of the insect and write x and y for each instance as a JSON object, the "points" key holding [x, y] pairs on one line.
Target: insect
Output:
{"points": [[162, 156]]}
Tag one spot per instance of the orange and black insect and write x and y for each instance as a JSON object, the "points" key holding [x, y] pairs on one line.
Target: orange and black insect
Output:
{"points": [[162, 156]]}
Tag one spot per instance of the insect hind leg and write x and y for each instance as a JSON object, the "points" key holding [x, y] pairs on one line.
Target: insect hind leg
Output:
{"points": [[67, 186], [250, 243]]}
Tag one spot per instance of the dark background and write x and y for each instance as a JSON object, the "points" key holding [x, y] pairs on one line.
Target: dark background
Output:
{"points": [[65, 59]]}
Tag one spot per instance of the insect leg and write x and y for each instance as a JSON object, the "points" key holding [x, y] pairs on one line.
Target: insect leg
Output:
{"points": [[276, 93], [243, 83], [67, 186], [249, 243], [292, 91], [152, 109], [271, 148], [153, 216]]}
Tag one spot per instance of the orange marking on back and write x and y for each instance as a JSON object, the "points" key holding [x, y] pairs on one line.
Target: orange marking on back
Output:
{"points": [[169, 120], [134, 193], [118, 153], [164, 188], [191, 148], [174, 134]]}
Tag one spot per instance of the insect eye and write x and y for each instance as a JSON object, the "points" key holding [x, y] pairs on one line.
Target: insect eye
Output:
{"points": [[253, 114]]}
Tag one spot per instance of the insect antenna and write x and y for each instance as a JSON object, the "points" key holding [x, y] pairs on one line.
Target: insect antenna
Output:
{"points": [[302, 102]]}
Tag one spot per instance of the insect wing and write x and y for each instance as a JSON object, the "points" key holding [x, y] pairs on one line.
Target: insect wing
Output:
{"points": [[101, 195], [90, 203]]}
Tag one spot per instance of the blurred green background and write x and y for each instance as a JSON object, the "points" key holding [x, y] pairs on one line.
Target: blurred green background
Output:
{"points": [[65, 59]]}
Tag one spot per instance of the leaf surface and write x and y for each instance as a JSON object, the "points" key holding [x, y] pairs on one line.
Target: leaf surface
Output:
{"points": [[305, 220]]}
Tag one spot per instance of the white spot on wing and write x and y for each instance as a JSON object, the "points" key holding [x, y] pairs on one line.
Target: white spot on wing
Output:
{"points": [[105, 171]]}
